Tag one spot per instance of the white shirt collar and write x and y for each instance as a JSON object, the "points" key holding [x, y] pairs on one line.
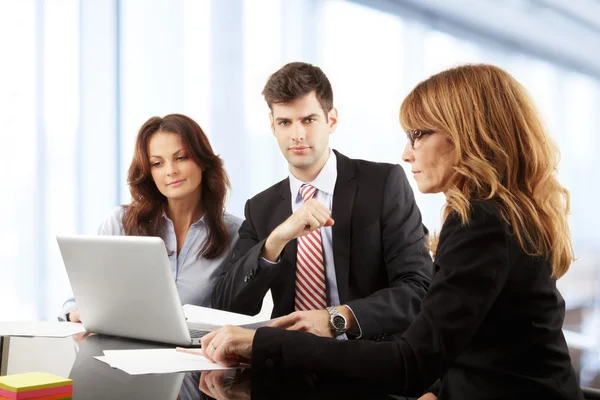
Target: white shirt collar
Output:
{"points": [[324, 182]]}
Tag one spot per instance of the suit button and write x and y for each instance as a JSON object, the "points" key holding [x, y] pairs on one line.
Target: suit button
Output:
{"points": [[249, 276], [269, 363]]}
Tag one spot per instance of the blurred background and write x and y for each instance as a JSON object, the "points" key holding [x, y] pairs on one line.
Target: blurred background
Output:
{"points": [[79, 77]]}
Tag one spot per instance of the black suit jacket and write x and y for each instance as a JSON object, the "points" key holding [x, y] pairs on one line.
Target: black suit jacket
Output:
{"points": [[490, 326], [382, 267]]}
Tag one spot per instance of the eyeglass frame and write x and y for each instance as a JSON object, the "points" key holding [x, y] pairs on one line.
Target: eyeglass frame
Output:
{"points": [[413, 134]]}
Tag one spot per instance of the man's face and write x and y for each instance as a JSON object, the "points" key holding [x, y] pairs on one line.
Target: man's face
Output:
{"points": [[302, 131]]}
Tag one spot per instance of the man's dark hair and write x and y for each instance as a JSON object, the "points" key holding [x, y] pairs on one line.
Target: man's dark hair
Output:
{"points": [[295, 80]]}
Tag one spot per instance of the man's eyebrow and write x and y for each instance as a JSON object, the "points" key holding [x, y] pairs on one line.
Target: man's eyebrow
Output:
{"points": [[313, 115]]}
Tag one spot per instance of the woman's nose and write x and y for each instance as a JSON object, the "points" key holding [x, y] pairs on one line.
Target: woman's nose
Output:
{"points": [[407, 154]]}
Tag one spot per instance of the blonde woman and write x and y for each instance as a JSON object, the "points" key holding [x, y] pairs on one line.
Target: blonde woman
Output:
{"points": [[490, 325]]}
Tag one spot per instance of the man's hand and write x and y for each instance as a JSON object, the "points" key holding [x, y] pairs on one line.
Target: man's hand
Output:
{"points": [[311, 216], [428, 396], [74, 315], [215, 384], [228, 346], [314, 321]]}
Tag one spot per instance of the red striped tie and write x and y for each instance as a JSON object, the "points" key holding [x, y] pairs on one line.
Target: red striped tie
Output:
{"points": [[310, 266]]}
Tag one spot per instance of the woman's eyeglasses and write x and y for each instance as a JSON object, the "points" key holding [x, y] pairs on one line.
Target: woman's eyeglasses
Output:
{"points": [[414, 134]]}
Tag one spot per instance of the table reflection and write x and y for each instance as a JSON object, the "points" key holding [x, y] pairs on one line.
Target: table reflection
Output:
{"points": [[93, 379]]}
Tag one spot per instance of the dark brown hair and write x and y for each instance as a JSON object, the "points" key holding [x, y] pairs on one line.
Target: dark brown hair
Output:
{"points": [[295, 80], [143, 216]]}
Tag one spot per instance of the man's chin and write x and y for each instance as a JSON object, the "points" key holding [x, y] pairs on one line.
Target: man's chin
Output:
{"points": [[302, 165], [300, 161]]}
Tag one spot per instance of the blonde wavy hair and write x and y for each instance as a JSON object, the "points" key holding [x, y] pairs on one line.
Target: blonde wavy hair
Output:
{"points": [[503, 154]]}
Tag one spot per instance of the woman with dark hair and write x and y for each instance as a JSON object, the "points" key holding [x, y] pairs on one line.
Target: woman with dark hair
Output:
{"points": [[178, 187], [490, 326]]}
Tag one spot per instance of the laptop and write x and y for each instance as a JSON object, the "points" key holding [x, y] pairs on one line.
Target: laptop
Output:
{"points": [[123, 287]]}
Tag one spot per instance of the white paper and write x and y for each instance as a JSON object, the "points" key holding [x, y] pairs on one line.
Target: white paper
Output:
{"points": [[209, 319], [40, 328], [156, 361]]}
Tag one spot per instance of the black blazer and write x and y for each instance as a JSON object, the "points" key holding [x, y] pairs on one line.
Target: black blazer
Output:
{"points": [[382, 267], [490, 326]]}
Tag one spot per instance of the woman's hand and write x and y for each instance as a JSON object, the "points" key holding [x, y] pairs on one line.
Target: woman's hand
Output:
{"points": [[221, 387], [74, 315], [228, 346], [80, 337]]}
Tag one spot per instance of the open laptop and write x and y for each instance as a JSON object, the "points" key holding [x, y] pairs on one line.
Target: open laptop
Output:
{"points": [[123, 287]]}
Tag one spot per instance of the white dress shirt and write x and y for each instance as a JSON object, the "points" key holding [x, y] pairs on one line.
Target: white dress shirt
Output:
{"points": [[325, 184]]}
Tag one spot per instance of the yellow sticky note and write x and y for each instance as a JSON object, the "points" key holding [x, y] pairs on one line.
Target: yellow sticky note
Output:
{"points": [[32, 381]]}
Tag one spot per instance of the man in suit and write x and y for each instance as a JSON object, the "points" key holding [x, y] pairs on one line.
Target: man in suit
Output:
{"points": [[340, 242]]}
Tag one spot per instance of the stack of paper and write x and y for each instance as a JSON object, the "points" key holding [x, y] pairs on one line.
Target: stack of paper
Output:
{"points": [[156, 361], [40, 328], [35, 386]]}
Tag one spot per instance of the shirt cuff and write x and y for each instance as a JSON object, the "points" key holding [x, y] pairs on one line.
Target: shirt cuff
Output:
{"points": [[357, 322], [66, 309], [263, 262]]}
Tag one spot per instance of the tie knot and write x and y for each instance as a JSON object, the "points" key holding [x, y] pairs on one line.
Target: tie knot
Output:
{"points": [[307, 192]]}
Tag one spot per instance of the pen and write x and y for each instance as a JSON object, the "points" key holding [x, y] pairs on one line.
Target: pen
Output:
{"points": [[189, 351]]}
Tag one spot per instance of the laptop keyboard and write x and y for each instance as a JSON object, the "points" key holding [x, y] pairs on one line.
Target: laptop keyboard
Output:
{"points": [[196, 334]]}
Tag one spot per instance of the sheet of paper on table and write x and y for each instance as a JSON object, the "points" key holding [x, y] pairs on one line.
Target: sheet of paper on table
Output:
{"points": [[209, 319], [40, 328], [157, 361]]}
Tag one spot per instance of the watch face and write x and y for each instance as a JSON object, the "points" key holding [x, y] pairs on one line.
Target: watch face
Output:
{"points": [[339, 322]]}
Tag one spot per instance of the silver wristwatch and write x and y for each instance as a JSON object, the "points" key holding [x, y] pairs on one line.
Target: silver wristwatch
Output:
{"points": [[338, 322]]}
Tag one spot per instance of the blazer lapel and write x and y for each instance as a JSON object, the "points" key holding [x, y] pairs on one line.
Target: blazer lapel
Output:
{"points": [[343, 201], [284, 208], [286, 278]]}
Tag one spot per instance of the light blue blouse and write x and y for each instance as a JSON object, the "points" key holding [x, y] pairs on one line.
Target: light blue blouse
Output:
{"points": [[194, 276]]}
